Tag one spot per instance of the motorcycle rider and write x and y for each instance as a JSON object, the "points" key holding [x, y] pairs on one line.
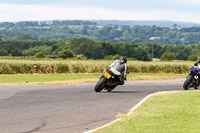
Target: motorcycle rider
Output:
{"points": [[197, 63], [119, 67]]}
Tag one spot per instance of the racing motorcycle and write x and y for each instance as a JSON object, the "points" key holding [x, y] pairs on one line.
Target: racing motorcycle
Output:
{"points": [[106, 80], [193, 79]]}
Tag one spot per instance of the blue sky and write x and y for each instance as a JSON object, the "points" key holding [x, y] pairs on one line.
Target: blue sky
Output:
{"points": [[177, 10]]}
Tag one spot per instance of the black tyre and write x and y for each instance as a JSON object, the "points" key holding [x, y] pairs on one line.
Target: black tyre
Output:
{"points": [[109, 90], [100, 84], [188, 82], [197, 87]]}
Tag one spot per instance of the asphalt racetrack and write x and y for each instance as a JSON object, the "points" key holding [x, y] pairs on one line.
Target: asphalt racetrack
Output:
{"points": [[71, 108]]}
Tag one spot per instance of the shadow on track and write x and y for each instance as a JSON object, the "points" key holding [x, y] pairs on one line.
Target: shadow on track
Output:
{"points": [[122, 92]]}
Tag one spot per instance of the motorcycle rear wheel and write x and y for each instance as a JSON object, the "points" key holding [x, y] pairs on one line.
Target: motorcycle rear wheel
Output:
{"points": [[188, 82], [100, 84]]}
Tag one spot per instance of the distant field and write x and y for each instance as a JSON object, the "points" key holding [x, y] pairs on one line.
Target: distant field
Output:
{"points": [[88, 66], [131, 62]]}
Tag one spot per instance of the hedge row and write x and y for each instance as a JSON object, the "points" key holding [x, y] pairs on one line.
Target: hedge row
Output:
{"points": [[42, 68], [177, 69]]}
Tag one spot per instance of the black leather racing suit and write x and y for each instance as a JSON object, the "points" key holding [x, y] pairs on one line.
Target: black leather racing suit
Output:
{"points": [[120, 67], [196, 63]]}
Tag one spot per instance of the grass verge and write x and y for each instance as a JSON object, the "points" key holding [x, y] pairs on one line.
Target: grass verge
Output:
{"points": [[170, 112], [47, 78], [74, 78]]}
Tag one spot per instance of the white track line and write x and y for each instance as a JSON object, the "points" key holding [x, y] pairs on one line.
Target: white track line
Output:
{"points": [[135, 107]]}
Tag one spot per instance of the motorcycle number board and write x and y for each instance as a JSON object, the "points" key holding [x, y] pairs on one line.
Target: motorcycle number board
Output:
{"points": [[107, 75]]}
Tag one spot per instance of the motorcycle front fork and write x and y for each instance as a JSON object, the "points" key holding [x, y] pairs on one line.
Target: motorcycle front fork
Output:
{"points": [[196, 83]]}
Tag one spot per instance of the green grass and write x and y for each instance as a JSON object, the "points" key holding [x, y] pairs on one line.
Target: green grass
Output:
{"points": [[170, 112], [75, 78], [41, 78], [154, 76]]}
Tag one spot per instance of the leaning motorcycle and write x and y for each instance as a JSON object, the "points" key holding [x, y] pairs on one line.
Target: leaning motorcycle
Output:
{"points": [[193, 78], [107, 79]]}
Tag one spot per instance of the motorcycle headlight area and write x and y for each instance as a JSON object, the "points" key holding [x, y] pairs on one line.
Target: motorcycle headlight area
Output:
{"points": [[196, 76]]}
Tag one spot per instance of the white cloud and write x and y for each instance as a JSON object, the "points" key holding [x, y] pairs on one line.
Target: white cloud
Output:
{"points": [[54, 12]]}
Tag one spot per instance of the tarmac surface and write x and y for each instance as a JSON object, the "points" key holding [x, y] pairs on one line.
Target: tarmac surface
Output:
{"points": [[71, 108]]}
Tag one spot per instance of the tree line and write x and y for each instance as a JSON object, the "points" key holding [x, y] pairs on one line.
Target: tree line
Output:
{"points": [[92, 49], [50, 30]]}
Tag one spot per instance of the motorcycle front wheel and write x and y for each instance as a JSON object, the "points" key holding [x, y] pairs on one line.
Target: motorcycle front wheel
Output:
{"points": [[100, 84], [188, 82]]}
